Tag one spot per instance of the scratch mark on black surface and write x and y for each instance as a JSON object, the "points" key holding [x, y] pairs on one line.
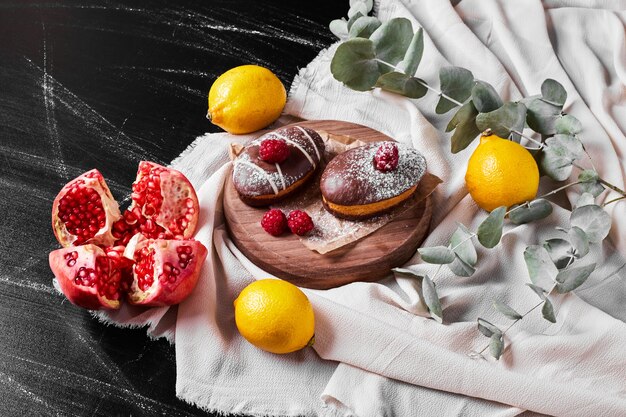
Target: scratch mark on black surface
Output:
{"points": [[51, 122], [58, 375], [28, 284], [201, 74], [11, 383]]}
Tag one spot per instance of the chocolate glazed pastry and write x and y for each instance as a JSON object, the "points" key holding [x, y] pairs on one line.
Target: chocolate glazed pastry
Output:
{"points": [[260, 183], [353, 188]]}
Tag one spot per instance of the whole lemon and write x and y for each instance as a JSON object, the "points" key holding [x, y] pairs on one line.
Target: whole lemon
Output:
{"points": [[275, 316], [501, 172], [245, 99]]}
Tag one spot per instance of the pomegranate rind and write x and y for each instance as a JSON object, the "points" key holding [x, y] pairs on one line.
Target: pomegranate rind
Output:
{"points": [[83, 296], [103, 237], [163, 292]]}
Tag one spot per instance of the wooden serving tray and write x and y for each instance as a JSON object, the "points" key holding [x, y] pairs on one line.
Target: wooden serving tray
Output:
{"points": [[368, 259]]}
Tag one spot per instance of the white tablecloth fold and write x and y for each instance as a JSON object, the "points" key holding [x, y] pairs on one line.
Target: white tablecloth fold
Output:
{"points": [[376, 353]]}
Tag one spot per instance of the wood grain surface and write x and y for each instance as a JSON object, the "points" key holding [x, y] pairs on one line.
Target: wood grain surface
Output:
{"points": [[368, 259]]}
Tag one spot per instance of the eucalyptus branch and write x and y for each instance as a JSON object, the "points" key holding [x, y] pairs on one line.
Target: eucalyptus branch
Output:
{"points": [[535, 141], [613, 201], [603, 181]]}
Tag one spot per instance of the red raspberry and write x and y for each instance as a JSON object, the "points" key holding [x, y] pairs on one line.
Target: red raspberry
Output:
{"points": [[386, 158], [299, 222], [273, 151], [274, 222]]}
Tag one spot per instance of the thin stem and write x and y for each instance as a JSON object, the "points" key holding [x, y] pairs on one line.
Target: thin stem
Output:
{"points": [[535, 141], [527, 203], [603, 181], [421, 82], [614, 200]]}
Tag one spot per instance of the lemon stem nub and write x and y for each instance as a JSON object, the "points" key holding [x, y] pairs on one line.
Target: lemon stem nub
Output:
{"points": [[487, 132], [311, 341], [208, 115]]}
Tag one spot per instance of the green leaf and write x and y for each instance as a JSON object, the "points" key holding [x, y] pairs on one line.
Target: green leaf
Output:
{"points": [[485, 97], [354, 64], [571, 278], [579, 240], [552, 91], [464, 123], [502, 121], [558, 154], [407, 273], [391, 41], [542, 116], [461, 244], [496, 345], [456, 83], [590, 182], [585, 199], [357, 7], [363, 27], [541, 269], [536, 210], [568, 125], [352, 19], [339, 28], [595, 222], [538, 290], [432, 299], [506, 310], [560, 251], [369, 4], [548, 311], [461, 268], [399, 83], [487, 328], [437, 255], [413, 54], [490, 230]]}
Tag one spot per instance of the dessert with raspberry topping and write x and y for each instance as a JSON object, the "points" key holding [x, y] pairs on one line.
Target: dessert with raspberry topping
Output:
{"points": [[277, 164], [371, 179]]}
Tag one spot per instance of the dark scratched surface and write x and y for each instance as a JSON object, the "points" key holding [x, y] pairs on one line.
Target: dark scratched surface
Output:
{"points": [[104, 85]]}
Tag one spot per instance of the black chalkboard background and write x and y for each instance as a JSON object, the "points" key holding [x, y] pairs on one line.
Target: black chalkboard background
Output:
{"points": [[105, 85]]}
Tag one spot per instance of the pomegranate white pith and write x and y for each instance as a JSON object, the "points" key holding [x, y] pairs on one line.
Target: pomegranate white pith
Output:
{"points": [[84, 211], [164, 271]]}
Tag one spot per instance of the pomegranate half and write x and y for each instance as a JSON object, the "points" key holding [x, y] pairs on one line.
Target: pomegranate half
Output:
{"points": [[84, 211], [165, 271], [91, 277]]}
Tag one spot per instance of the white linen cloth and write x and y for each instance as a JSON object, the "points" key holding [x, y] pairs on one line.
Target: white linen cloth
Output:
{"points": [[376, 352]]}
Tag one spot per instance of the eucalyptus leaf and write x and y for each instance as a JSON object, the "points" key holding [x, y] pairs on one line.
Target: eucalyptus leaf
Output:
{"points": [[560, 251], [363, 27], [413, 54], [590, 182], [391, 41], [407, 273], [548, 311], [542, 116], [541, 269], [464, 124], [357, 7], [595, 222], [432, 299], [558, 154], [437, 255], [461, 268], [571, 278], [585, 199], [538, 290], [487, 328], [579, 240], [552, 91], [369, 4], [568, 125], [537, 209], [461, 244], [510, 117], [506, 310], [496, 345], [354, 64], [456, 83], [400, 83], [485, 97], [490, 230], [339, 28], [352, 19]]}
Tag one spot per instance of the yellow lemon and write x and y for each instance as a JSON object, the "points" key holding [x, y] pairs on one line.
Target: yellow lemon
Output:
{"points": [[275, 316], [245, 99], [501, 173]]}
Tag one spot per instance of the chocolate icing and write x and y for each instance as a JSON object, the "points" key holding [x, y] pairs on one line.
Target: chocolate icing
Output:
{"points": [[251, 182], [352, 179]]}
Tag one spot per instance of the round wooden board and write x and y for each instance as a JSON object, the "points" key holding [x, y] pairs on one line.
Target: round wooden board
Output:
{"points": [[368, 259]]}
